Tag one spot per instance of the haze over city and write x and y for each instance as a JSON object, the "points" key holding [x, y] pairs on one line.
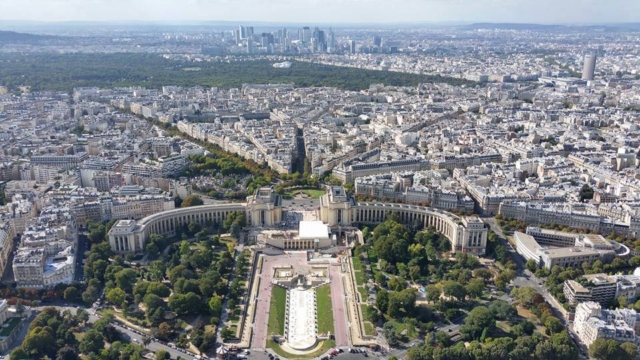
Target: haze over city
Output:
{"points": [[326, 11], [320, 179]]}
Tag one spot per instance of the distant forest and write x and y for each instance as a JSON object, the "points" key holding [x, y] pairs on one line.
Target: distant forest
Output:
{"points": [[63, 72]]}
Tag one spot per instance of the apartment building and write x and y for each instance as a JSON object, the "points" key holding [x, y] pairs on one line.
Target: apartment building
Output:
{"points": [[570, 215], [60, 161], [46, 254], [347, 172], [592, 322], [600, 288]]}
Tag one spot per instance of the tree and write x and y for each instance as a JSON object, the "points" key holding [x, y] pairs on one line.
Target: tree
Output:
{"points": [[553, 325], [67, 353], [162, 355], [158, 270], [475, 288], [527, 296], [525, 327], [390, 334], [115, 296], [152, 302], [90, 295], [479, 319], [92, 342], [39, 342], [82, 315], [433, 293], [235, 230], [194, 227], [629, 350], [125, 279], [156, 316], [586, 192], [185, 303], [454, 289], [634, 261], [191, 200], [71, 293], [382, 300], [531, 265], [215, 305], [603, 349], [622, 301], [164, 331], [502, 310], [111, 334], [19, 354], [482, 273], [442, 339]]}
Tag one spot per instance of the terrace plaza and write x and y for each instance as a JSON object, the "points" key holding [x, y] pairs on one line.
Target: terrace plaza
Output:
{"points": [[302, 288], [300, 274]]}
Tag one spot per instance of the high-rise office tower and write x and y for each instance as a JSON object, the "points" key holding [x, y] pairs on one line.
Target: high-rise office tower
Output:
{"points": [[287, 43], [377, 41], [331, 42], [352, 46], [249, 31], [238, 37], [589, 68], [242, 31], [249, 46], [306, 34], [321, 40]]}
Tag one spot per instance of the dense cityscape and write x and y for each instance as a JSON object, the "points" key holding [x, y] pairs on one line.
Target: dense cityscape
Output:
{"points": [[265, 191]]}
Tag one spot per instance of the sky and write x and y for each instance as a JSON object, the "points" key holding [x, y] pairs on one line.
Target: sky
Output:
{"points": [[326, 11]]}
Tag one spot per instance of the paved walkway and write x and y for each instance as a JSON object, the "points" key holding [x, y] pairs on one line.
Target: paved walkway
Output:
{"points": [[338, 303]]}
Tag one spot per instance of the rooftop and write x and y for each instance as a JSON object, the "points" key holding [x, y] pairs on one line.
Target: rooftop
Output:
{"points": [[313, 230]]}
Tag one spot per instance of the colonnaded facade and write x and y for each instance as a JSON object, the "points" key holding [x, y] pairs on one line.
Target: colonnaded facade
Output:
{"points": [[337, 209]]}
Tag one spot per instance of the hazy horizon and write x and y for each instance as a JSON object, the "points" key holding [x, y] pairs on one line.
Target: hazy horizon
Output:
{"points": [[324, 11]]}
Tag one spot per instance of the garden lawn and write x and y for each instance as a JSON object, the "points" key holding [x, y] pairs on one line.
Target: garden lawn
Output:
{"points": [[277, 310], [369, 329], [325, 310], [359, 278], [357, 263]]}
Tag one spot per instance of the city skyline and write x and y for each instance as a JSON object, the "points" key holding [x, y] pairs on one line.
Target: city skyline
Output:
{"points": [[328, 11]]}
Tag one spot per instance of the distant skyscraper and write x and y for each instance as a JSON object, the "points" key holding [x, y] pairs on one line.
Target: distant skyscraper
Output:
{"points": [[589, 68], [352, 46], [377, 41], [331, 42], [321, 41], [249, 31], [238, 37], [242, 31], [306, 34], [249, 46]]}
